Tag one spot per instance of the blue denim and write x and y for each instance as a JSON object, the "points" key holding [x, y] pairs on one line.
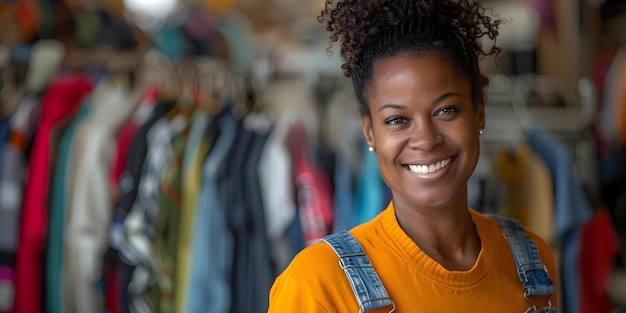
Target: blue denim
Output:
{"points": [[532, 272], [367, 286], [371, 294], [212, 242]]}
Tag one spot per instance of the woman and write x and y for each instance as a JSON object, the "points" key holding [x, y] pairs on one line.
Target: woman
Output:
{"points": [[414, 68]]}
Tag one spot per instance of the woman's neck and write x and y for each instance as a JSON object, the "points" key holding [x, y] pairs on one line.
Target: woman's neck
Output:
{"points": [[447, 235]]}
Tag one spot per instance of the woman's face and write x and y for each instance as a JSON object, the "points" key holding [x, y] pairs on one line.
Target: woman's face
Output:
{"points": [[424, 130]]}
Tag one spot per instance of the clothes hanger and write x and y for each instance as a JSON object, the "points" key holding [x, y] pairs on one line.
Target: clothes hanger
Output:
{"points": [[187, 98], [239, 94], [212, 75]]}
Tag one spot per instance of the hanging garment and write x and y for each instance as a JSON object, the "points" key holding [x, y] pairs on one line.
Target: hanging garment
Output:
{"points": [[344, 208], [140, 221], [343, 132], [572, 210], [58, 104], [6, 273], [112, 271], [232, 190], [529, 194], [166, 229], [5, 128], [276, 180], [252, 273], [260, 265], [369, 198], [14, 162], [313, 189], [59, 201], [129, 183], [195, 151], [212, 243], [598, 249], [124, 137], [91, 206]]}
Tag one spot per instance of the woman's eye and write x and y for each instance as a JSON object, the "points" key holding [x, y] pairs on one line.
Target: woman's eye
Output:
{"points": [[447, 110], [395, 120]]}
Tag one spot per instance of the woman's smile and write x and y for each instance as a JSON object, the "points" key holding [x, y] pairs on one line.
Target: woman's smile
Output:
{"points": [[429, 168]]}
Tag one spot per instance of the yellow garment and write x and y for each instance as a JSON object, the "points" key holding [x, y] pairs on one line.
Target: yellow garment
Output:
{"points": [[192, 182], [314, 281], [529, 196]]}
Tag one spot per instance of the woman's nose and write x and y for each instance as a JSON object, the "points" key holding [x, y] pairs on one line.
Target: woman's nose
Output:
{"points": [[424, 136]]}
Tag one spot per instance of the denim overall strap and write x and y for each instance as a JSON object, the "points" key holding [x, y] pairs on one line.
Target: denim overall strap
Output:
{"points": [[531, 270], [366, 285]]}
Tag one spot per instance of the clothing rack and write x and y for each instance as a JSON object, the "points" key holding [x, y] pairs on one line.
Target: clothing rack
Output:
{"points": [[509, 116], [507, 109]]}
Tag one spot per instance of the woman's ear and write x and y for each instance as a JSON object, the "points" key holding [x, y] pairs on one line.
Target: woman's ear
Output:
{"points": [[368, 131], [480, 115]]}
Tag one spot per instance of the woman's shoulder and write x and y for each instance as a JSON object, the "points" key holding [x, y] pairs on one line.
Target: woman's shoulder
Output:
{"points": [[318, 256], [313, 282], [319, 259]]}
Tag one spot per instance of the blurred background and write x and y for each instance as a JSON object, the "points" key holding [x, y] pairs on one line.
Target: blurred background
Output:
{"points": [[174, 155]]}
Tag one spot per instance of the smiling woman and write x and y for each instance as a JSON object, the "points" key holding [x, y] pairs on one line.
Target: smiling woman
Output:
{"points": [[422, 115], [414, 68]]}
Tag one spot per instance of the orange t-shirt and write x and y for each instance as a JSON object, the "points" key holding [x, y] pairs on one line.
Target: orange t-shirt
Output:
{"points": [[314, 281]]}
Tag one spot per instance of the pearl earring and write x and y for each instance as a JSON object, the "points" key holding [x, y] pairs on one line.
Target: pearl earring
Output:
{"points": [[480, 132], [371, 149]]}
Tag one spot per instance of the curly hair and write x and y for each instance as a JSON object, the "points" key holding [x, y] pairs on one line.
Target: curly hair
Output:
{"points": [[372, 29]]}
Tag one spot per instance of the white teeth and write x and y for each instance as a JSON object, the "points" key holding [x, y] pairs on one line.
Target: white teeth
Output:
{"points": [[429, 169]]}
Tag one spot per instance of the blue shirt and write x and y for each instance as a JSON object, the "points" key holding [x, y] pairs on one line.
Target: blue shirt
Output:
{"points": [[370, 190], [572, 209], [212, 243]]}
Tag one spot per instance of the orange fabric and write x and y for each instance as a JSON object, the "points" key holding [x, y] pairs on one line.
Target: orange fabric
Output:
{"points": [[19, 21], [19, 140], [219, 6], [314, 281], [28, 13]]}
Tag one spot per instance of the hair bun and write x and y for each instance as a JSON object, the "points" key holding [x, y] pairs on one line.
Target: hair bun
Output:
{"points": [[354, 23]]}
